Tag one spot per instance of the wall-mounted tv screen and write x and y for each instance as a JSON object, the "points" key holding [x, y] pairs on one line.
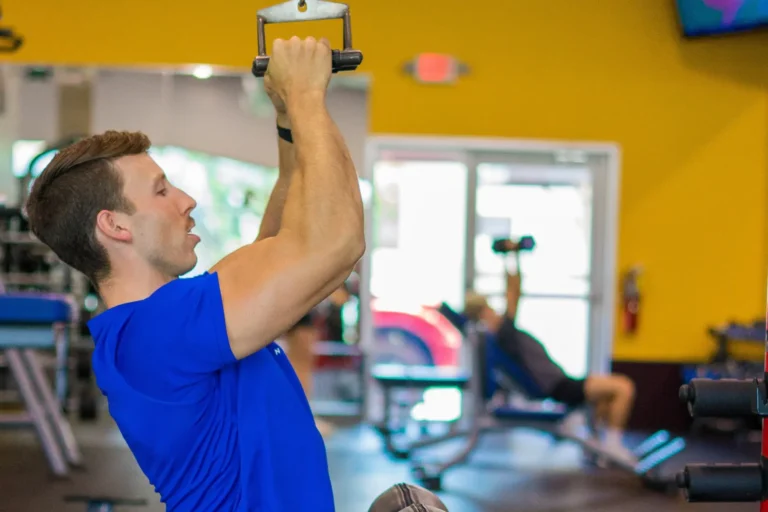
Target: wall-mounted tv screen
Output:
{"points": [[709, 17]]}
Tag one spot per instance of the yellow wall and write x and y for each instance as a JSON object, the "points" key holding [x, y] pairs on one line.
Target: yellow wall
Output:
{"points": [[691, 117]]}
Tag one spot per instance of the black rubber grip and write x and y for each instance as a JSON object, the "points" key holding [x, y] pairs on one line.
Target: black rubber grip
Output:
{"points": [[718, 483], [726, 398], [342, 60]]}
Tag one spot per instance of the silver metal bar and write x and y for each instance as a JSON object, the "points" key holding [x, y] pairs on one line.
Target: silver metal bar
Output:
{"points": [[23, 419], [61, 342], [471, 228], [556, 296], [347, 31], [480, 426], [479, 422], [430, 441], [262, 36], [53, 409], [51, 447]]}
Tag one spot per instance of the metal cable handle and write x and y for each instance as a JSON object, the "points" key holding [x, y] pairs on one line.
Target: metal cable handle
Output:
{"points": [[346, 59]]}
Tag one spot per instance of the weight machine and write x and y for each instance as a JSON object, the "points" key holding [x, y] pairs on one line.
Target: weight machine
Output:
{"points": [[728, 482], [491, 371]]}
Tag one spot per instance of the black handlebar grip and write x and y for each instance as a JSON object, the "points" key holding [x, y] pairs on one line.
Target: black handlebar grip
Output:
{"points": [[719, 398], [260, 65], [719, 483], [346, 60], [341, 60]]}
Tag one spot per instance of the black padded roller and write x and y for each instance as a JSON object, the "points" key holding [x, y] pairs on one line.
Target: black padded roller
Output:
{"points": [[719, 398], [717, 483]]}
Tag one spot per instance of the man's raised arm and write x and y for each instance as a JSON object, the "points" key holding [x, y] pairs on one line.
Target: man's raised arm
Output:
{"points": [[269, 285], [273, 214], [513, 289]]}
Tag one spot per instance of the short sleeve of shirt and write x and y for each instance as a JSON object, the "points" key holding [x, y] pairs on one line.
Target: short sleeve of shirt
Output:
{"points": [[176, 338]]}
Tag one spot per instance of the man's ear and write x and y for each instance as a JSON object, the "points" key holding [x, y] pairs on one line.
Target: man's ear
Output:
{"points": [[113, 225]]}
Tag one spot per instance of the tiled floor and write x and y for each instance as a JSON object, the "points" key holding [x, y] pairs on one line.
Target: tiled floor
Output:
{"points": [[514, 471]]}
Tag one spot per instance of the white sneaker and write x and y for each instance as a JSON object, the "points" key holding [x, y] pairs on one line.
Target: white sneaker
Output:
{"points": [[619, 452], [575, 424]]}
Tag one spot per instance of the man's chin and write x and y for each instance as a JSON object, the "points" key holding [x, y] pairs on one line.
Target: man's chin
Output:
{"points": [[189, 266], [193, 263]]}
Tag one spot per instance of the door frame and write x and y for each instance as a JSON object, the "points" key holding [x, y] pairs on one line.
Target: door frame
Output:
{"points": [[600, 157]]}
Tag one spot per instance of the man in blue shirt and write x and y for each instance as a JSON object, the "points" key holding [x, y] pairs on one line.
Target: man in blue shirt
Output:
{"points": [[208, 404]]}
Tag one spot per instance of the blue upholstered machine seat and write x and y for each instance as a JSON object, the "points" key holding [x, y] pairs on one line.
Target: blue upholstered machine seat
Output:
{"points": [[30, 322], [32, 310], [26, 320], [419, 377], [497, 360], [518, 414]]}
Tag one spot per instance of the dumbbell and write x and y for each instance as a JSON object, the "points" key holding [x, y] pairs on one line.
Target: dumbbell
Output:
{"points": [[501, 245]]}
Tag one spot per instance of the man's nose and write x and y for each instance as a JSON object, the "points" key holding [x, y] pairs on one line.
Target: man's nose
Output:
{"points": [[188, 203]]}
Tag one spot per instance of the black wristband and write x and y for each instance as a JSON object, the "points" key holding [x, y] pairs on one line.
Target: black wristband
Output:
{"points": [[285, 134]]}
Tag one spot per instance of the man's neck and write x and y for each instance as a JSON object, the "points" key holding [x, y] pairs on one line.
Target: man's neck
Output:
{"points": [[138, 286]]}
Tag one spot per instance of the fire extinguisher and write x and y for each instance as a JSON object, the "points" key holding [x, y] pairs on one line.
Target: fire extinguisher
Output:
{"points": [[630, 300]]}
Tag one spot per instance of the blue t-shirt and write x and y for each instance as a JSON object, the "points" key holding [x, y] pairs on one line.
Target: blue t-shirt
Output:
{"points": [[210, 432]]}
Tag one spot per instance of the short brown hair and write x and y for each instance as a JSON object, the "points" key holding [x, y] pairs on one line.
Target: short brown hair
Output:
{"points": [[81, 181]]}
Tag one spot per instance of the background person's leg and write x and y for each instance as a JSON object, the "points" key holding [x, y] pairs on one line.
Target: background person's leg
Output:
{"points": [[616, 396], [601, 410], [299, 343]]}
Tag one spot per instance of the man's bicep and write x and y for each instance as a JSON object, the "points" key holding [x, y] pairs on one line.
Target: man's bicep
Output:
{"points": [[267, 287]]}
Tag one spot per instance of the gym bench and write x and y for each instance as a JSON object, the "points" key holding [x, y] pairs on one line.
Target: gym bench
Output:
{"points": [[396, 377], [29, 323], [492, 373]]}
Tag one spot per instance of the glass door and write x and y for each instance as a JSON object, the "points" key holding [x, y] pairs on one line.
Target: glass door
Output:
{"points": [[554, 205], [436, 206], [416, 227]]}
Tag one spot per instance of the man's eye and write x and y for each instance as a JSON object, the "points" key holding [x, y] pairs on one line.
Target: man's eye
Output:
{"points": [[163, 192]]}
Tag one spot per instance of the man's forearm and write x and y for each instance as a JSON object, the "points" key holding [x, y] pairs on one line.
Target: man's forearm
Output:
{"points": [[323, 205], [273, 214]]}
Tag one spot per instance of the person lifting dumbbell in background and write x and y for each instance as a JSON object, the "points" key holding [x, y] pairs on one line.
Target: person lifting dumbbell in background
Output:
{"points": [[612, 396], [300, 341], [333, 314], [206, 401]]}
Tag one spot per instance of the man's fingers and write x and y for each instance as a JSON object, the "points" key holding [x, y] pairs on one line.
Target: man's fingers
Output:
{"points": [[324, 41]]}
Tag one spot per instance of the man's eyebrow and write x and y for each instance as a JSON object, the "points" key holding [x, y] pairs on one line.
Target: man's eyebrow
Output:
{"points": [[159, 179]]}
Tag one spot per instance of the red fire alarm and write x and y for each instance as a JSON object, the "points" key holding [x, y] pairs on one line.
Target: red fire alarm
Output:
{"points": [[435, 68]]}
